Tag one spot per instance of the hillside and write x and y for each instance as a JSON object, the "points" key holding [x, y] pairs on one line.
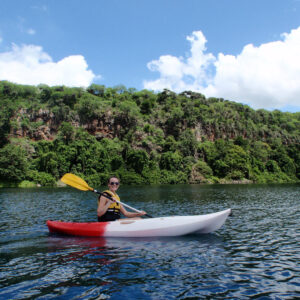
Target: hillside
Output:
{"points": [[144, 137]]}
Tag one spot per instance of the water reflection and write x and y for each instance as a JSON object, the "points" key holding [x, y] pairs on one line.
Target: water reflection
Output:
{"points": [[112, 262], [124, 248]]}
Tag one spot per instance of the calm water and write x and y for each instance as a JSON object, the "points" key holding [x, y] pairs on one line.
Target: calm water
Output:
{"points": [[256, 254]]}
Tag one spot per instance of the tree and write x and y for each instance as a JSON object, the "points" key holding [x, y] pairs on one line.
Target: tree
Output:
{"points": [[238, 163], [66, 132], [174, 122], [171, 161], [97, 90], [13, 163], [137, 159], [48, 162], [87, 108], [187, 143]]}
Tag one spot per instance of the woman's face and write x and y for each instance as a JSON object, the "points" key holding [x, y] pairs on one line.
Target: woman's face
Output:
{"points": [[113, 184]]}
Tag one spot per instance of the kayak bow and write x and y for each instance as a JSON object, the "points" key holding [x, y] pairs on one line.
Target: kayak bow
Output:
{"points": [[164, 226]]}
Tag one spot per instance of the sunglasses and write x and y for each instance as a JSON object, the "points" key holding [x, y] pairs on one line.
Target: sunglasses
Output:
{"points": [[114, 183]]}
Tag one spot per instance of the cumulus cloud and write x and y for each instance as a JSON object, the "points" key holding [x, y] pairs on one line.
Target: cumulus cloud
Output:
{"points": [[266, 76], [29, 64], [178, 73]]}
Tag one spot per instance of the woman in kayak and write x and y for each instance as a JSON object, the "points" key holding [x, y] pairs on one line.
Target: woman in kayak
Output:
{"points": [[109, 210]]}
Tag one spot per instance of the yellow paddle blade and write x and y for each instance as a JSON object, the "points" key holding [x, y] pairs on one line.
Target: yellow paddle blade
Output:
{"points": [[76, 182]]}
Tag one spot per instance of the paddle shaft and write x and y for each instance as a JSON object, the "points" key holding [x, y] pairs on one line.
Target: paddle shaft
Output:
{"points": [[126, 205]]}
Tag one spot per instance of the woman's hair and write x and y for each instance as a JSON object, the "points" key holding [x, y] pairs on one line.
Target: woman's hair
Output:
{"points": [[108, 181]]}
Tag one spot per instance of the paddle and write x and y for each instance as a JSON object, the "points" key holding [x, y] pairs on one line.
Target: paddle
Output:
{"points": [[80, 184]]}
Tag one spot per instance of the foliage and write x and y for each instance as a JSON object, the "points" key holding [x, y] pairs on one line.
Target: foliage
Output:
{"points": [[13, 163], [42, 178], [203, 168], [66, 132], [26, 184], [143, 137]]}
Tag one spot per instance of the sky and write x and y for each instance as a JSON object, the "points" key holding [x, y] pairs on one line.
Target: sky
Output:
{"points": [[246, 51]]}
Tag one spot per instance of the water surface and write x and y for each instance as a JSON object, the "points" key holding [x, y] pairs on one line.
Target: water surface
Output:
{"points": [[255, 254]]}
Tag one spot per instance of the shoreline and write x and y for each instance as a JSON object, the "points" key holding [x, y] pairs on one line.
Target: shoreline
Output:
{"points": [[28, 184]]}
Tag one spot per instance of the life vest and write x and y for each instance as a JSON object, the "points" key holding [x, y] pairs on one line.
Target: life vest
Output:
{"points": [[114, 210]]}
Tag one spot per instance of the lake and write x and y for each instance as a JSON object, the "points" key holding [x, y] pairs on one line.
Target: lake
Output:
{"points": [[255, 254]]}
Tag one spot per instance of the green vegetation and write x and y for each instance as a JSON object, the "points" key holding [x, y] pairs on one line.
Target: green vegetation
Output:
{"points": [[141, 136]]}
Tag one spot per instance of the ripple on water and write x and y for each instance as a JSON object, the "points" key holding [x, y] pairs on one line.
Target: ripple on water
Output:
{"points": [[255, 255]]}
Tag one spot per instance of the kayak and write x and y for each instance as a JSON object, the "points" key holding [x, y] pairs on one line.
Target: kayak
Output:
{"points": [[154, 227]]}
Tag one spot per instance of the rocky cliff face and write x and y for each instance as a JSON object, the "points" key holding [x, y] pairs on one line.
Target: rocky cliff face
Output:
{"points": [[38, 125], [44, 125]]}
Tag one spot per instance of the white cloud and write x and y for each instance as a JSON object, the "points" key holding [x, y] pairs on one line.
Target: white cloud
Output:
{"points": [[31, 31], [180, 74], [267, 76], [40, 7], [29, 64]]}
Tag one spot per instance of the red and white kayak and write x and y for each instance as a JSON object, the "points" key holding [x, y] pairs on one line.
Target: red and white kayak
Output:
{"points": [[164, 226]]}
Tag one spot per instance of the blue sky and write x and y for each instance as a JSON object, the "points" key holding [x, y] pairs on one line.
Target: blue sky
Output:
{"points": [[241, 50]]}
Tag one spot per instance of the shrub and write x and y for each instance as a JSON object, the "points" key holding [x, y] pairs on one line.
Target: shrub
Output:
{"points": [[42, 178], [130, 177]]}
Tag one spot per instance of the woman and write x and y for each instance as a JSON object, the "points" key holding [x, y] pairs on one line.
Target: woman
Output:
{"points": [[109, 210]]}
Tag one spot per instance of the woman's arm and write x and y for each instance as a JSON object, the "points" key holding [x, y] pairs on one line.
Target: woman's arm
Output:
{"points": [[130, 214], [103, 206]]}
